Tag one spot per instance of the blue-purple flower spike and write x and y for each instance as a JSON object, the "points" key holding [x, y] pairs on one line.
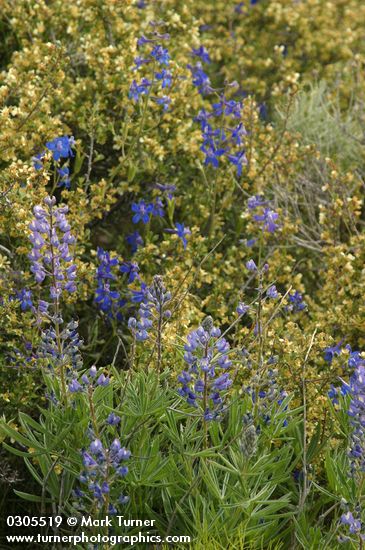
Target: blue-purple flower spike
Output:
{"points": [[206, 379], [50, 255]]}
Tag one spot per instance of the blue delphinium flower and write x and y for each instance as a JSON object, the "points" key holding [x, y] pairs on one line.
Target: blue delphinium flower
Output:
{"points": [[137, 296], [142, 40], [202, 53], [61, 147], [142, 211], [158, 208], [37, 161], [181, 231], [134, 240], [206, 380], [238, 160], [165, 77], [263, 214], [161, 55], [131, 269], [164, 101], [25, 298], [65, 180], [107, 297], [200, 78], [213, 145], [166, 188], [153, 62], [267, 219], [333, 394], [136, 90], [356, 358], [139, 62], [212, 154], [237, 134], [222, 135], [106, 263], [331, 351], [228, 107]]}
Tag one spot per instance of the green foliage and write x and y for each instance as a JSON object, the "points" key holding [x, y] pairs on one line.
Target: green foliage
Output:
{"points": [[316, 114]]}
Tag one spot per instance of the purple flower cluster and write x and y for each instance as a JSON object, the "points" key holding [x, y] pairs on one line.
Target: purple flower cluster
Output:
{"points": [[154, 306], [25, 298], [108, 299], [61, 148], [296, 302], [355, 357], [354, 524], [331, 351], [65, 180], [265, 391], [357, 413], [181, 231], [130, 269], [355, 361], [241, 5], [50, 254], [135, 241], [272, 292], [206, 380], [94, 379], [167, 189], [200, 78], [202, 53], [27, 356], [102, 467], [333, 393], [224, 139], [61, 351], [261, 213], [159, 78], [242, 308], [143, 211]]}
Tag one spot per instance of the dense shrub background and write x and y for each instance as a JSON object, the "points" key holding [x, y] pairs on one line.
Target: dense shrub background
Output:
{"points": [[297, 69]]}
